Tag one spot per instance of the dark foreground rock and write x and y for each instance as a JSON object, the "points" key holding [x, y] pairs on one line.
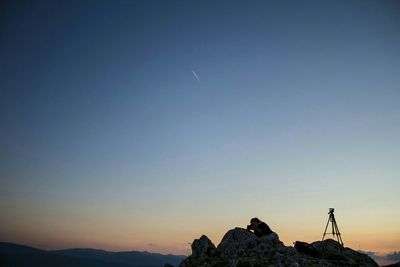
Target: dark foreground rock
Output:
{"points": [[393, 265], [241, 248]]}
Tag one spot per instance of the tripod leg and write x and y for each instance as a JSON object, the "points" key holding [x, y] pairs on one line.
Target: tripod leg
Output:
{"points": [[339, 237], [326, 227]]}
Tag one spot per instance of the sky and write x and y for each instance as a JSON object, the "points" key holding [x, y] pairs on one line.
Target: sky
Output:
{"points": [[109, 140]]}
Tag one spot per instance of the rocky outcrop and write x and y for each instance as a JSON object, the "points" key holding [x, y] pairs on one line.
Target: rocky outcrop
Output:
{"points": [[241, 248], [203, 247]]}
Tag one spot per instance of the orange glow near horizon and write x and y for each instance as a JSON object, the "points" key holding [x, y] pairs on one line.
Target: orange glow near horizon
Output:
{"points": [[181, 245], [166, 238]]}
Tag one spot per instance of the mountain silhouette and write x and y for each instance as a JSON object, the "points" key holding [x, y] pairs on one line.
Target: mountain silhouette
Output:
{"points": [[20, 256]]}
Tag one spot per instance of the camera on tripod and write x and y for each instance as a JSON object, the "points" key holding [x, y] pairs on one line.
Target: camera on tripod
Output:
{"points": [[335, 228]]}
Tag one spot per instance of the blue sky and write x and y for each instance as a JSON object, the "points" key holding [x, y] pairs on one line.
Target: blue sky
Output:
{"points": [[297, 110]]}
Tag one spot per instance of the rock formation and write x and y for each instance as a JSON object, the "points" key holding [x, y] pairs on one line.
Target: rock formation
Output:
{"points": [[241, 248]]}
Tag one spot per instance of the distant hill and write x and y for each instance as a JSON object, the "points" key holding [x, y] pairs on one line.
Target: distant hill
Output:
{"points": [[13, 255]]}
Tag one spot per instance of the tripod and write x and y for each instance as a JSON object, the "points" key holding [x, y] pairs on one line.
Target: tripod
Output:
{"points": [[335, 228]]}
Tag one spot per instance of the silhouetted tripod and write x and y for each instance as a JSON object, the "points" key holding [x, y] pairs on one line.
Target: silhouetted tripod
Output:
{"points": [[335, 228]]}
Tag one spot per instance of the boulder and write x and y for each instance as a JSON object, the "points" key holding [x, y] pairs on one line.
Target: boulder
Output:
{"points": [[202, 248], [332, 251], [239, 242], [304, 247]]}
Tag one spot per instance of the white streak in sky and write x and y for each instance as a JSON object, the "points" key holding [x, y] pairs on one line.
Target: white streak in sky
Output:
{"points": [[195, 75]]}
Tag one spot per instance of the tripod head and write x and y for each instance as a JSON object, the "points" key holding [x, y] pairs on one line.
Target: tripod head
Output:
{"points": [[331, 215]]}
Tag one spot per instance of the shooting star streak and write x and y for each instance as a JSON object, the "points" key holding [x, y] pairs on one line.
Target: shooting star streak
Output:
{"points": [[195, 75]]}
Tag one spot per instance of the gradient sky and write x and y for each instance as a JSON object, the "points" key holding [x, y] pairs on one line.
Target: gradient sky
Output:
{"points": [[108, 140]]}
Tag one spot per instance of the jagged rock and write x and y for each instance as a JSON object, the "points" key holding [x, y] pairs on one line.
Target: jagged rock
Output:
{"points": [[304, 247], [202, 247], [241, 248], [333, 251], [239, 242]]}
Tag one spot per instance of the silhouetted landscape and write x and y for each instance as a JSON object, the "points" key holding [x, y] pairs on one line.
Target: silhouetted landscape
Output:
{"points": [[130, 128], [21, 256], [239, 247]]}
